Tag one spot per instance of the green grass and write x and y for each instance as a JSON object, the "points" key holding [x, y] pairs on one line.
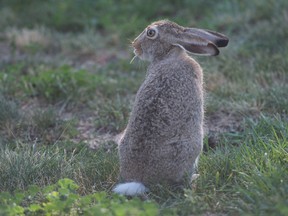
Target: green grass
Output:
{"points": [[66, 82], [24, 165], [249, 178]]}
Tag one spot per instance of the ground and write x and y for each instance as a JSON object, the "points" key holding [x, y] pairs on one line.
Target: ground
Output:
{"points": [[67, 88]]}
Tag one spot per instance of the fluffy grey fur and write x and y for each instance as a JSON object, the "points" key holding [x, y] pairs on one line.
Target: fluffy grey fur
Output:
{"points": [[164, 135]]}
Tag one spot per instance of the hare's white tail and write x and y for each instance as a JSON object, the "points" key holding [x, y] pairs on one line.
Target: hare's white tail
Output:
{"points": [[130, 189]]}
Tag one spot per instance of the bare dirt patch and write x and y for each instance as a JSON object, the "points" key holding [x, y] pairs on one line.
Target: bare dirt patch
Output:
{"points": [[224, 121], [89, 135]]}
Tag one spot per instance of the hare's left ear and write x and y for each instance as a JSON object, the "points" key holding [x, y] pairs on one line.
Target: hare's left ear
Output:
{"points": [[201, 42]]}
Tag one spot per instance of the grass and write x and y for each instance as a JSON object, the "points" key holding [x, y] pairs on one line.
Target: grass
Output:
{"points": [[234, 180], [25, 165], [64, 83]]}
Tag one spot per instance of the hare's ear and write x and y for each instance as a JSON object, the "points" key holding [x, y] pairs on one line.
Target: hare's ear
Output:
{"points": [[217, 38], [197, 45], [201, 42]]}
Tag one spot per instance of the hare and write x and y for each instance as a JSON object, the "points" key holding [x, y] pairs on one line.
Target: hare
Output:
{"points": [[164, 136]]}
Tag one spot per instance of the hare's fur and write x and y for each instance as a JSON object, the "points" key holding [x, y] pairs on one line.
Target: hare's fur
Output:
{"points": [[164, 135], [165, 130]]}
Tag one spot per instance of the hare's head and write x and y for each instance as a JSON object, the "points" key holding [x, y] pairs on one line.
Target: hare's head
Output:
{"points": [[161, 37]]}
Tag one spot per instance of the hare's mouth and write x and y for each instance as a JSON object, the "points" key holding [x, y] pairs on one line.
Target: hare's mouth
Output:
{"points": [[137, 49], [137, 52]]}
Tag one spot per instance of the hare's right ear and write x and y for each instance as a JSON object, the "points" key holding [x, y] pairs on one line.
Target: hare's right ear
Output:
{"points": [[220, 40], [201, 42], [198, 46]]}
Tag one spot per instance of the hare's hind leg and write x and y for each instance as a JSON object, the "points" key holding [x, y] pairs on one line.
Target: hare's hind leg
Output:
{"points": [[118, 138]]}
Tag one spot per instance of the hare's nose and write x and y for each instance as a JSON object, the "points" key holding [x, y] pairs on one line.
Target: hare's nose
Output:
{"points": [[136, 42]]}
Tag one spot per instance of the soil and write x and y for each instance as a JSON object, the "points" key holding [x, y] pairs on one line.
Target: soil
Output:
{"points": [[221, 122]]}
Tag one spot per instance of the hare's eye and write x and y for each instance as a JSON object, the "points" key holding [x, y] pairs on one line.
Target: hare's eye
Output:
{"points": [[151, 33]]}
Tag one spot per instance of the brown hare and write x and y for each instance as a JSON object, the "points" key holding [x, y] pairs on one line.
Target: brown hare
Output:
{"points": [[164, 136]]}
